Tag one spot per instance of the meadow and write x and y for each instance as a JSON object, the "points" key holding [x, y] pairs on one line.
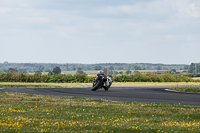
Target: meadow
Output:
{"points": [[35, 113]]}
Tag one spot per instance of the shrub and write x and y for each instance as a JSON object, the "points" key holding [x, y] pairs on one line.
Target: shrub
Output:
{"points": [[63, 78]]}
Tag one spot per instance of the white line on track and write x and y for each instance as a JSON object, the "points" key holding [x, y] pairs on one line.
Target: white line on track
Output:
{"points": [[179, 91], [1, 88], [171, 90]]}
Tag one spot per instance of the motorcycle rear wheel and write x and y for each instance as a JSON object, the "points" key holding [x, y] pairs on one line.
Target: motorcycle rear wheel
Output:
{"points": [[96, 85]]}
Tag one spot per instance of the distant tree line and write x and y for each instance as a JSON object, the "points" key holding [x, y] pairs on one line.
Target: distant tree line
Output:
{"points": [[47, 67]]}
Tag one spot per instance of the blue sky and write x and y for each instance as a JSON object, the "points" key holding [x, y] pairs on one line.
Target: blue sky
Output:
{"points": [[100, 31]]}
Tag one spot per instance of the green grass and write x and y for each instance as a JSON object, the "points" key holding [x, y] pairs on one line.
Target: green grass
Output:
{"points": [[45, 85], [33, 113], [70, 85], [186, 89]]}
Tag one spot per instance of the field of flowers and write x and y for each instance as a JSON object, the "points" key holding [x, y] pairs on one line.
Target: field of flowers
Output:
{"points": [[33, 113]]}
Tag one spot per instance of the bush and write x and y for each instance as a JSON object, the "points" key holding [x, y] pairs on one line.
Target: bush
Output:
{"points": [[150, 77], [192, 74], [63, 78]]}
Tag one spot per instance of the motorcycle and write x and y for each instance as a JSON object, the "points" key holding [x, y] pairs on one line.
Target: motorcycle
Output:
{"points": [[100, 80]]}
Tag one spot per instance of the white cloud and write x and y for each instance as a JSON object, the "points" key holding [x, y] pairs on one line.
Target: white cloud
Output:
{"points": [[188, 8], [194, 10]]}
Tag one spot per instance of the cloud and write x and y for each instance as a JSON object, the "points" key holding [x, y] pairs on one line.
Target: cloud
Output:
{"points": [[188, 8], [127, 27], [194, 10]]}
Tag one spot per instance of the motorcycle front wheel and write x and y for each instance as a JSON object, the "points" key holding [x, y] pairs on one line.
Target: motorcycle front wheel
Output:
{"points": [[96, 85]]}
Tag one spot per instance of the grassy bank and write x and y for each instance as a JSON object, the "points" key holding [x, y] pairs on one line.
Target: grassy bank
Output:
{"points": [[70, 85], [33, 113], [45, 85], [186, 89]]}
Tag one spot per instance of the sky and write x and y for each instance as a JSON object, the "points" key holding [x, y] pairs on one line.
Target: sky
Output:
{"points": [[100, 31]]}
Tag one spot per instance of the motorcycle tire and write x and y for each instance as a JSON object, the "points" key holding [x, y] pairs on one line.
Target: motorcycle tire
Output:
{"points": [[105, 88], [96, 86]]}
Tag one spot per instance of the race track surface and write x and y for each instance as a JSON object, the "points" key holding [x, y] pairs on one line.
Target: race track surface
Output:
{"points": [[144, 94]]}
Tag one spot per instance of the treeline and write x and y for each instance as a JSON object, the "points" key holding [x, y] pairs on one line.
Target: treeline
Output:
{"points": [[46, 67], [82, 78]]}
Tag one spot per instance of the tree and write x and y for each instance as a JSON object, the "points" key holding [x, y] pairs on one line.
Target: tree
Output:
{"points": [[191, 68], [13, 70], [128, 72], [186, 67], [143, 68], [136, 67], [159, 68], [111, 68], [173, 70], [79, 68], [67, 67], [88, 68], [120, 68], [73, 68], [197, 68], [97, 67], [41, 68], [56, 70], [22, 70]]}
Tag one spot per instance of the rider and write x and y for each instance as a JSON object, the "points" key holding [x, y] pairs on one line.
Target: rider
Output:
{"points": [[105, 88]]}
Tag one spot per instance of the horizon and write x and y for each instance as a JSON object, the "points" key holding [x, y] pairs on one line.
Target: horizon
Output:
{"points": [[89, 63]]}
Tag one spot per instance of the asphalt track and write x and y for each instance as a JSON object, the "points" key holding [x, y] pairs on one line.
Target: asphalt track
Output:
{"points": [[144, 94]]}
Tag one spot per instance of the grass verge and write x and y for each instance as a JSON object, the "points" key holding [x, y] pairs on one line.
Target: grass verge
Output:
{"points": [[196, 78], [186, 89], [70, 85], [45, 85], [33, 113]]}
